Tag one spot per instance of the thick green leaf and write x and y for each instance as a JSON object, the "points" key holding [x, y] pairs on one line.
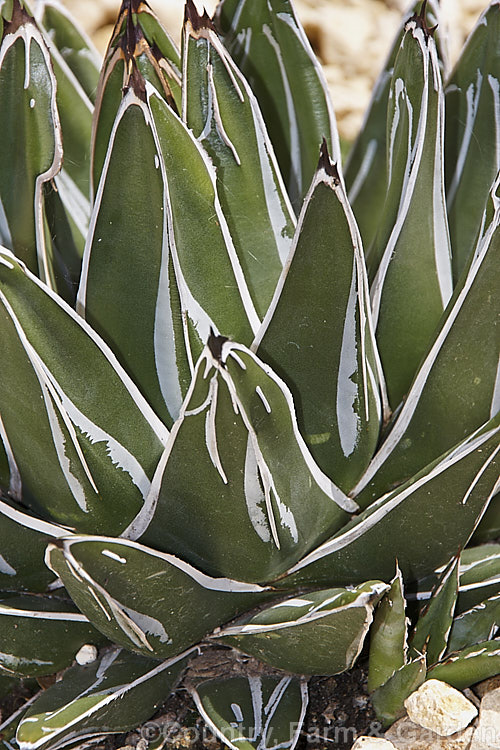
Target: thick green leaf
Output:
{"points": [[222, 112], [433, 626], [257, 712], [149, 602], [128, 290], [366, 165], [471, 665], [488, 529], [480, 623], [84, 440], [318, 333], [411, 259], [31, 133], [40, 635], [479, 579], [8, 727], [73, 44], [388, 700], [23, 540], [269, 45], [138, 41], [257, 501], [318, 633], [456, 388], [116, 692], [421, 524], [472, 133], [388, 635]]}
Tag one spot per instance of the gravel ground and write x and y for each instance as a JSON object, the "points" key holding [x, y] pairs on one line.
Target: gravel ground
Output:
{"points": [[350, 37]]}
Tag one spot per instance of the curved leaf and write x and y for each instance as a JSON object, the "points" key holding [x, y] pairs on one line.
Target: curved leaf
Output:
{"points": [[471, 665], [388, 699], [257, 712], [472, 133], [30, 127], [40, 635], [117, 692], [222, 112], [411, 255], [317, 633], [83, 438], [449, 495], [388, 635], [457, 385], [23, 539], [269, 45], [147, 601], [257, 501], [478, 624], [366, 165], [318, 333]]}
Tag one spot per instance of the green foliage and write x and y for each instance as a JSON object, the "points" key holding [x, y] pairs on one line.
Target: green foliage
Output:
{"points": [[227, 413]]}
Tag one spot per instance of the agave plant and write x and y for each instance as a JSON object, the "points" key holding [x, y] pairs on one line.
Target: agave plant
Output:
{"points": [[227, 413]]}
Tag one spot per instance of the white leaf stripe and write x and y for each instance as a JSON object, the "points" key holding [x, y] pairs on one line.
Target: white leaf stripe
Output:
{"points": [[386, 504], [442, 255], [142, 405], [28, 32], [15, 483], [212, 584], [411, 403], [364, 599], [107, 700]]}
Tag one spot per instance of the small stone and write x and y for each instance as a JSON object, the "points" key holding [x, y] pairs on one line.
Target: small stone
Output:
{"points": [[405, 735], [86, 655], [372, 743], [487, 733], [441, 708]]}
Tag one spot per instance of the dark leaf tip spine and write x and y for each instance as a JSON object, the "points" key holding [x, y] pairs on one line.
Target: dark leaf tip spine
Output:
{"points": [[327, 164], [198, 23], [215, 344], [421, 21]]}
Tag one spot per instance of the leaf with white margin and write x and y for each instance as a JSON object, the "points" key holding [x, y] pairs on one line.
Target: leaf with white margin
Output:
{"points": [[31, 130], [472, 141], [128, 290], [421, 524], [73, 44], [479, 577], [471, 665], [222, 111], [148, 601], [366, 165], [480, 623], [270, 47], [40, 635], [237, 492], [117, 692], [138, 40], [85, 441], [457, 386], [388, 635], [430, 636], [23, 540], [257, 712], [318, 333], [8, 727], [411, 259], [321, 632], [388, 699]]}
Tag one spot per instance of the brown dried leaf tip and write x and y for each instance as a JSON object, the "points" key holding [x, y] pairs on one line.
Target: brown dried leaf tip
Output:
{"points": [[215, 344], [197, 22], [421, 21], [327, 164]]}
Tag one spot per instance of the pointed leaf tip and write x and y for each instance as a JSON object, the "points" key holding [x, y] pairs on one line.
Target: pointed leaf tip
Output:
{"points": [[327, 164], [215, 344], [421, 21], [197, 21]]}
